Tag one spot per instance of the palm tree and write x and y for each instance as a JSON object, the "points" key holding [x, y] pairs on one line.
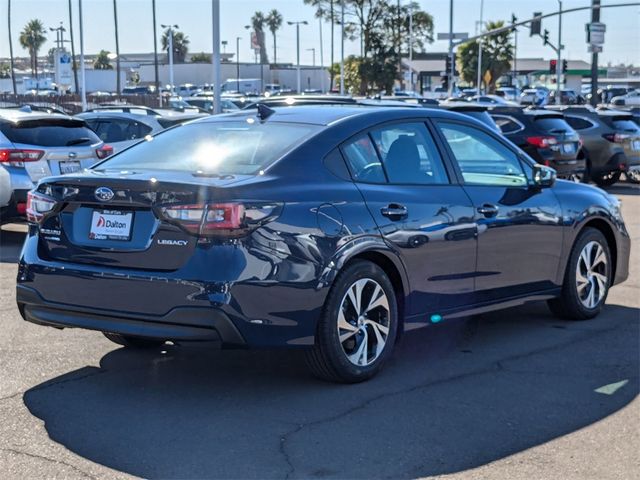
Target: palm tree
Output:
{"points": [[13, 76], [32, 38], [115, 20], [274, 22], [102, 61], [325, 9], [180, 45], [257, 22]]}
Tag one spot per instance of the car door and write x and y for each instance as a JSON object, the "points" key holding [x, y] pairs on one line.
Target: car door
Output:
{"points": [[424, 216], [519, 226]]}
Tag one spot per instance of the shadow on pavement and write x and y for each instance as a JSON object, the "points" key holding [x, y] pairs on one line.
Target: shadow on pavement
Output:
{"points": [[454, 396], [11, 241]]}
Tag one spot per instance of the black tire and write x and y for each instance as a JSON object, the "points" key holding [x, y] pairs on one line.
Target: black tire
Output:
{"points": [[607, 180], [633, 177], [328, 359], [133, 342], [569, 305]]}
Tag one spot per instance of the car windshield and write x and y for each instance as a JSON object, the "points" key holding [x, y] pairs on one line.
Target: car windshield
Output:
{"points": [[242, 147], [50, 133]]}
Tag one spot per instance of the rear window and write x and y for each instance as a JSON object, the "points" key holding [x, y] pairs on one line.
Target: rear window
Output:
{"points": [[483, 116], [623, 123], [49, 133], [217, 148], [552, 124]]}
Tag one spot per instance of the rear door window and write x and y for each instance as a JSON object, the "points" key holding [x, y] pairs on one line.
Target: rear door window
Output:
{"points": [[507, 124], [578, 123], [552, 124], [624, 123], [50, 133], [362, 158]]}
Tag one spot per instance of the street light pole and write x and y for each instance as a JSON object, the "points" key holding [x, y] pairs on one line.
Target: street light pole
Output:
{"points": [[215, 55], [238, 64], [451, 72], [297, 24], [321, 57], [170, 27], [480, 49], [559, 63], [83, 82], [411, 47], [341, 47], [313, 52]]}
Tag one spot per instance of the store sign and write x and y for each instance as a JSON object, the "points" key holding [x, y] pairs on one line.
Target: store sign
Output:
{"points": [[63, 68]]}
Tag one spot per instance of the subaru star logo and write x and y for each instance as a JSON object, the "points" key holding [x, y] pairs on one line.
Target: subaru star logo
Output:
{"points": [[104, 194]]}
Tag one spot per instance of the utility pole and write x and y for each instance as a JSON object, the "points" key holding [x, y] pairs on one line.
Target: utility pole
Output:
{"points": [[73, 51], [480, 48], [297, 24], [341, 47], [215, 55], [411, 47], [451, 72], [595, 18], [515, 53], [82, 69], [170, 33], [313, 53], [13, 72], [115, 19], [238, 64], [559, 63], [321, 58], [155, 54]]}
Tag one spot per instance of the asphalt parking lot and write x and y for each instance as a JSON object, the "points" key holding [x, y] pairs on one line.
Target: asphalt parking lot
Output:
{"points": [[517, 395]]}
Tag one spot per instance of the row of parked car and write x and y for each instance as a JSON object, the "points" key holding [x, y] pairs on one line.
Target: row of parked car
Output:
{"points": [[581, 143]]}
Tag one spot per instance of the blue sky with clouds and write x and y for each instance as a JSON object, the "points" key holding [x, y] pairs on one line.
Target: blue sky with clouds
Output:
{"points": [[194, 18]]}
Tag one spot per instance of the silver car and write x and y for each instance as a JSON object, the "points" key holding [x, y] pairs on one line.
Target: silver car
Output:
{"points": [[121, 129], [34, 145]]}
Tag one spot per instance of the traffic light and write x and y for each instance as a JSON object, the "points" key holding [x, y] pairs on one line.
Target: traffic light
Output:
{"points": [[553, 65], [447, 67], [564, 66], [545, 37], [536, 24]]}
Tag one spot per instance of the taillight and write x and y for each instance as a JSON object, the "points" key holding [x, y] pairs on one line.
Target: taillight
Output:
{"points": [[542, 142], [16, 157], [616, 137], [206, 219], [104, 151], [38, 206]]}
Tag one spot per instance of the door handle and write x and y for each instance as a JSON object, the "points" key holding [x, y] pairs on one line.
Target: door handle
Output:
{"points": [[394, 211], [488, 210]]}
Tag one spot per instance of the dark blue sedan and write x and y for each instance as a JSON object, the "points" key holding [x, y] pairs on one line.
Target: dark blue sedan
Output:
{"points": [[333, 229]]}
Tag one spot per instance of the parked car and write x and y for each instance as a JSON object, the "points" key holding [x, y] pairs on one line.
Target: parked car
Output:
{"points": [[509, 93], [490, 100], [472, 109], [534, 97], [611, 142], [166, 117], [205, 103], [605, 94], [545, 136], [137, 90], [121, 130], [351, 226], [34, 145], [630, 99], [300, 100], [567, 97]]}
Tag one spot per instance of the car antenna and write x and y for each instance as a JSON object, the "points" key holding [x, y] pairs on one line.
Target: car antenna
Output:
{"points": [[264, 112]]}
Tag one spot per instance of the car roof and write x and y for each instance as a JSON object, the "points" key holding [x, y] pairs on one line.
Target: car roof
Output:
{"points": [[132, 116], [326, 115], [16, 115]]}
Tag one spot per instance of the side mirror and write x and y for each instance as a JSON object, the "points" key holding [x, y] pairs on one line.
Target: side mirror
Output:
{"points": [[543, 177]]}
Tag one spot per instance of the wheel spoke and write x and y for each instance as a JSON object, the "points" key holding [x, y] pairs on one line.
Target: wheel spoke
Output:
{"points": [[600, 257], [343, 324], [383, 328], [378, 299], [602, 285], [591, 296], [361, 353], [586, 255], [380, 341]]}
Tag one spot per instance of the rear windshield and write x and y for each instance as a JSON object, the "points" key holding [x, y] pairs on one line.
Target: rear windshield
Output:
{"points": [[219, 148], [483, 116], [553, 124], [623, 123], [49, 133]]}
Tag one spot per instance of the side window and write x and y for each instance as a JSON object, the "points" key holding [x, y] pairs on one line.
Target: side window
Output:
{"points": [[578, 123], [507, 124], [363, 160], [482, 159], [409, 154]]}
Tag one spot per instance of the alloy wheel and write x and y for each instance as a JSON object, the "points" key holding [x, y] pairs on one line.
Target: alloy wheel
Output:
{"points": [[591, 275], [363, 322]]}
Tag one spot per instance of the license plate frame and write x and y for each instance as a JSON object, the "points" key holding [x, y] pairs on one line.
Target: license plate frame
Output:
{"points": [[568, 148], [112, 225], [69, 166]]}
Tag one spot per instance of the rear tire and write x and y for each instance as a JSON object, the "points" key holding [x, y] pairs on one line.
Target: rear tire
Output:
{"points": [[633, 177], [587, 278], [607, 179], [358, 326], [130, 341]]}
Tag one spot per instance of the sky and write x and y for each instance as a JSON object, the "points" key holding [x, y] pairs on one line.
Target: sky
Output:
{"points": [[194, 19]]}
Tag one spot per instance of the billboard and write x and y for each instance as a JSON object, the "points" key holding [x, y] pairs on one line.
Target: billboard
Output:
{"points": [[63, 68]]}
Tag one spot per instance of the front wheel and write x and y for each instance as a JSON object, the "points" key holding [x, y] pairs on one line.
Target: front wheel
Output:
{"points": [[607, 179], [587, 278], [358, 326], [633, 176]]}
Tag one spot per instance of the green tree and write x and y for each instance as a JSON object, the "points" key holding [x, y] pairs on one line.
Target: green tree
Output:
{"points": [[200, 58], [31, 39], [180, 45], [258, 22], [497, 54], [5, 70], [274, 22], [102, 61]]}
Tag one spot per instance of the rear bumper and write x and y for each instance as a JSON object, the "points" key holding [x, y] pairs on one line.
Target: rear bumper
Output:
{"points": [[180, 324]]}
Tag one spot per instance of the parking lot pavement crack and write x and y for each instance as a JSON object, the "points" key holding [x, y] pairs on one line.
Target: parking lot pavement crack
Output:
{"points": [[47, 459]]}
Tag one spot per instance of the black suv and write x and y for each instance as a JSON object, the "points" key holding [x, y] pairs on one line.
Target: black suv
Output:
{"points": [[545, 136]]}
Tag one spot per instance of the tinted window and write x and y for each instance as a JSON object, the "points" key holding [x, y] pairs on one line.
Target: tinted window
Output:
{"points": [[482, 159], [363, 160], [220, 147], [120, 130], [483, 116], [624, 124], [507, 124], [50, 133], [578, 123], [409, 154], [552, 124]]}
